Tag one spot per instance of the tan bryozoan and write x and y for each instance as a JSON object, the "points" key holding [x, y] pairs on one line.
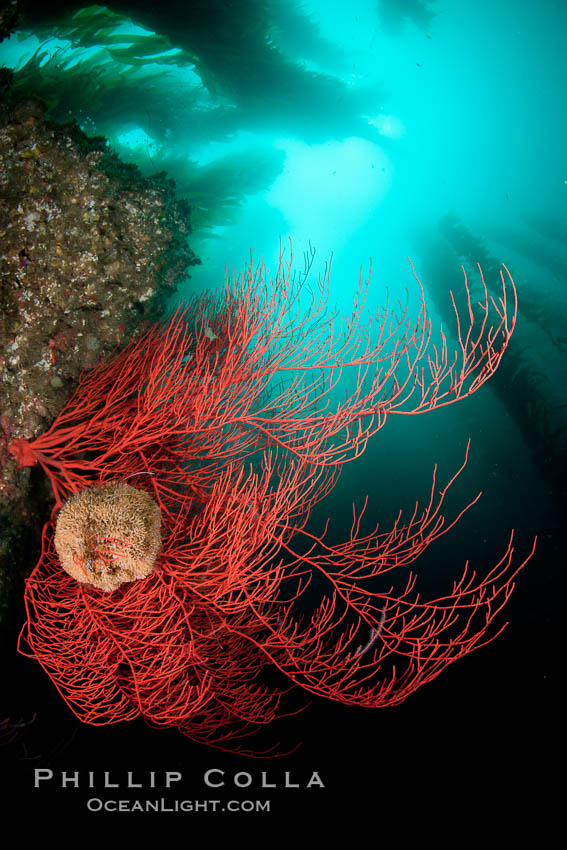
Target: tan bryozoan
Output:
{"points": [[109, 534]]}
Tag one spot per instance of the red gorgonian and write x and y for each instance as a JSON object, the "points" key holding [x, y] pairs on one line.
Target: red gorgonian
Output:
{"points": [[224, 418]]}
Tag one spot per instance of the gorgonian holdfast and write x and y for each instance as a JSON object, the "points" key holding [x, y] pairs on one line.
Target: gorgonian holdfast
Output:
{"points": [[222, 417]]}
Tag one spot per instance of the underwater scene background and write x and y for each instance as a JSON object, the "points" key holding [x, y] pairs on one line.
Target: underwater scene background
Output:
{"points": [[370, 130]]}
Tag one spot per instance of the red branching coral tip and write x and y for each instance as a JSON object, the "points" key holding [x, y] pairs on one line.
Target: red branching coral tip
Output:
{"points": [[222, 415]]}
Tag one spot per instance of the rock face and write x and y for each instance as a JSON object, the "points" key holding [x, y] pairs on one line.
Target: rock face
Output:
{"points": [[89, 249], [86, 245]]}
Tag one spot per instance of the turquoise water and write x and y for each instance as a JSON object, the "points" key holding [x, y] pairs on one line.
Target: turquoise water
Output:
{"points": [[463, 114], [434, 131], [360, 129]]}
